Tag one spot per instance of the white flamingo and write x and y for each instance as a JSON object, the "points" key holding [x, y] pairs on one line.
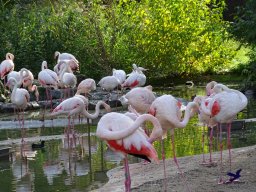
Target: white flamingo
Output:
{"points": [[67, 78], [86, 86], [7, 65], [20, 98], [61, 57], [48, 78]]}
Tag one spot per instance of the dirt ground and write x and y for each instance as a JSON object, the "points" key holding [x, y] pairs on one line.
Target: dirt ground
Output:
{"points": [[199, 178]]}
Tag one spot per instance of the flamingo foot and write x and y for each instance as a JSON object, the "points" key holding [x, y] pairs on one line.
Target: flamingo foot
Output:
{"points": [[144, 162], [229, 181]]}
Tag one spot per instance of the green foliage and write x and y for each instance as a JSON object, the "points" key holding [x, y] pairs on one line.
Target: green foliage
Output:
{"points": [[168, 37], [245, 23], [175, 36]]}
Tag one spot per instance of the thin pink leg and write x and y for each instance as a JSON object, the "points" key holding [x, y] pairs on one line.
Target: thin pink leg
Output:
{"points": [[176, 162], [211, 135], [221, 149], [127, 175]]}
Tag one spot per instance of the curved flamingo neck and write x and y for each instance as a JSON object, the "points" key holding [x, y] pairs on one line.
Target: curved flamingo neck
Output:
{"points": [[44, 65], [107, 134], [187, 115], [97, 110]]}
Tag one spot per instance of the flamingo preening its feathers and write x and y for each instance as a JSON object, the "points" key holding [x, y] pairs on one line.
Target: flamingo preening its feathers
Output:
{"points": [[140, 98], [124, 135], [62, 58], [86, 86]]}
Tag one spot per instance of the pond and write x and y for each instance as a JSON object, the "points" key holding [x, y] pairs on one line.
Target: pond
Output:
{"points": [[71, 165]]}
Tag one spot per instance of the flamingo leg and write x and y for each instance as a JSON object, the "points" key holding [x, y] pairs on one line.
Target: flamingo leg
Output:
{"points": [[211, 162], [229, 145], [203, 143], [163, 157], [221, 149], [176, 162], [127, 175]]}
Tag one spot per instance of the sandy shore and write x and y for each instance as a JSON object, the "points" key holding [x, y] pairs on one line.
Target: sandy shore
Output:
{"points": [[199, 178]]}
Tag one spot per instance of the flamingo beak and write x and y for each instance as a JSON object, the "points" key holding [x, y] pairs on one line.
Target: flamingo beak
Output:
{"points": [[152, 111]]}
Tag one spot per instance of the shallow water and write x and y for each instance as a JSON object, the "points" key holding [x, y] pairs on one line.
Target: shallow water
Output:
{"points": [[70, 165]]}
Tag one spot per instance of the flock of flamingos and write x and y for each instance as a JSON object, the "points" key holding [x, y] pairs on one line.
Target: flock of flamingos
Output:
{"points": [[124, 132]]}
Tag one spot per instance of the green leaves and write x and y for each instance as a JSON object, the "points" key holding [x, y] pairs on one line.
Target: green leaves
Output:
{"points": [[168, 37]]}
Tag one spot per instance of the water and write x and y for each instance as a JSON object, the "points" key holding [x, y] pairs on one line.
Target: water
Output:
{"points": [[70, 165]]}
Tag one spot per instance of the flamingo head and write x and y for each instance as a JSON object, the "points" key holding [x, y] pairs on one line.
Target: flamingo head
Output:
{"points": [[152, 111]]}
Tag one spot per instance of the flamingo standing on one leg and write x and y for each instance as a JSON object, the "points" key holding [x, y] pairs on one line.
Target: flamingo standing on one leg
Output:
{"points": [[167, 110], [124, 135], [223, 108], [20, 98]]}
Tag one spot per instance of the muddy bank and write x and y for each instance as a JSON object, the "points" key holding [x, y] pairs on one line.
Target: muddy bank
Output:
{"points": [[199, 178]]}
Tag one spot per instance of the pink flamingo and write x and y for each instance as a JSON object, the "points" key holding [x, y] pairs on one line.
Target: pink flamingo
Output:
{"points": [[48, 78], [209, 88], [167, 110], [18, 76], [223, 108], [20, 98], [135, 79], [61, 58], [7, 65], [86, 86], [124, 135], [67, 78], [27, 82], [206, 120], [140, 98]]}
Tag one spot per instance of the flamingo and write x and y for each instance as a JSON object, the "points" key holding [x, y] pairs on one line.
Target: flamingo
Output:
{"points": [[7, 65], [140, 98], [124, 136], [136, 78], [77, 105], [20, 98], [48, 78], [223, 108], [166, 109], [18, 76], [206, 120], [61, 57], [119, 74], [27, 82], [109, 83], [86, 86], [209, 87], [67, 78]]}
